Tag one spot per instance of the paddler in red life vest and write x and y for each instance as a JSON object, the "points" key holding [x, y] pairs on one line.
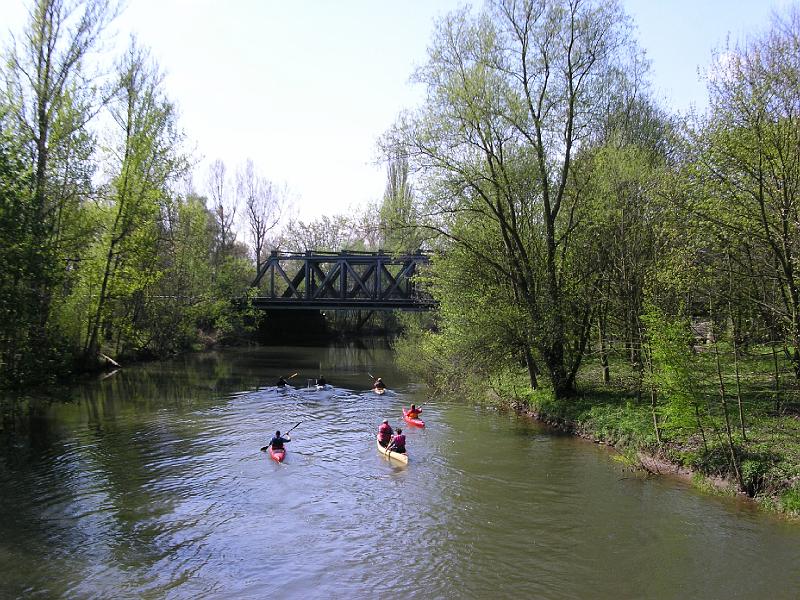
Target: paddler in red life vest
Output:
{"points": [[413, 412], [398, 443], [385, 433]]}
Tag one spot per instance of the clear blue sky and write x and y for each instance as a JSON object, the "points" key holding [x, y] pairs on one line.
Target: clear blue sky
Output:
{"points": [[305, 87]]}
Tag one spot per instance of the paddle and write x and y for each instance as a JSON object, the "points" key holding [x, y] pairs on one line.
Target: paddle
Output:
{"points": [[373, 381], [284, 379], [264, 449]]}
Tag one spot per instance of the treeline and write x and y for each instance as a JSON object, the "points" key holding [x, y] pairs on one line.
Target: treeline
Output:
{"points": [[107, 248], [588, 234], [101, 254]]}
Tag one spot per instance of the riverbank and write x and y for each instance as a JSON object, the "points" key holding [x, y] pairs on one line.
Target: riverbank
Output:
{"points": [[769, 455], [692, 440]]}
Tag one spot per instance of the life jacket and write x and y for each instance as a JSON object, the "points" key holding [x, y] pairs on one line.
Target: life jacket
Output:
{"points": [[399, 443], [385, 432], [277, 443], [414, 414]]}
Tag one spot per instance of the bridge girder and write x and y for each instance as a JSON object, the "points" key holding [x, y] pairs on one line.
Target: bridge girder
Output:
{"points": [[341, 281]]}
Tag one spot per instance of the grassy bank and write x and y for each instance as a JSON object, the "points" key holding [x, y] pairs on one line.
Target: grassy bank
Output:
{"points": [[691, 435]]}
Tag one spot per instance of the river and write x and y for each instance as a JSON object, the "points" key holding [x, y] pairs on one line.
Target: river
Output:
{"points": [[150, 484]]}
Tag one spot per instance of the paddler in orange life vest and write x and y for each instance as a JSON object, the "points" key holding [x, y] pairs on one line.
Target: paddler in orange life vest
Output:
{"points": [[413, 412], [398, 443], [385, 432]]}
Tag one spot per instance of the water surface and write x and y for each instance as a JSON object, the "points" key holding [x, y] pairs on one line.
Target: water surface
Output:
{"points": [[150, 484]]}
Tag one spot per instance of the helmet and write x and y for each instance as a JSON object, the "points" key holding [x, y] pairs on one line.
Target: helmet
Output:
{"points": [[386, 421]]}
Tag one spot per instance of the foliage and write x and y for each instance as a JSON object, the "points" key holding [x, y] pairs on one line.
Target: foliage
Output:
{"points": [[103, 255], [790, 500], [513, 100]]}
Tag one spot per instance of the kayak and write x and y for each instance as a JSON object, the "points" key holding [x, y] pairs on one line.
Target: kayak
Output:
{"points": [[410, 421], [380, 391], [277, 455], [402, 458]]}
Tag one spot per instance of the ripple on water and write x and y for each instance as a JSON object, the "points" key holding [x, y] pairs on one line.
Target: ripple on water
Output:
{"points": [[181, 503]]}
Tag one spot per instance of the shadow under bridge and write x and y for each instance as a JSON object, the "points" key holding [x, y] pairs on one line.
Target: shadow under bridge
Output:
{"points": [[347, 280]]}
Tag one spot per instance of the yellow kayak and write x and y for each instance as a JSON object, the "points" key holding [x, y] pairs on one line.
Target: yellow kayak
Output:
{"points": [[402, 458]]}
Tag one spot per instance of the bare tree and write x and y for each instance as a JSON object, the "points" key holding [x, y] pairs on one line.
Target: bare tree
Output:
{"points": [[263, 203], [223, 206]]}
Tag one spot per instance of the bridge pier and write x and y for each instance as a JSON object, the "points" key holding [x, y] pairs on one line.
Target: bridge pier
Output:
{"points": [[290, 326]]}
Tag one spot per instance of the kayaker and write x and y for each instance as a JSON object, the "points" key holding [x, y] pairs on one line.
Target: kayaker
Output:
{"points": [[277, 442], [398, 443], [281, 382], [385, 433], [379, 385], [413, 412], [322, 381]]}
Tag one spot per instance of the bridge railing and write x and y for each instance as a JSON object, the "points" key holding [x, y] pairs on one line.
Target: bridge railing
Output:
{"points": [[347, 280]]}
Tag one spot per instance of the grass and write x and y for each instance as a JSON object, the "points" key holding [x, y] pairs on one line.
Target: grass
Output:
{"points": [[616, 414]]}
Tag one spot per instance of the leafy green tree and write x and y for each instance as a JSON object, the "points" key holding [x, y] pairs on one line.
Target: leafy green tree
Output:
{"points": [[513, 94], [624, 177], [746, 183], [17, 296], [399, 231], [146, 160], [674, 374], [52, 99]]}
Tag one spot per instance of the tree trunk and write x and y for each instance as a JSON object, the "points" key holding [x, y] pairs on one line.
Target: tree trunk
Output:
{"points": [[533, 370], [601, 327], [729, 435]]}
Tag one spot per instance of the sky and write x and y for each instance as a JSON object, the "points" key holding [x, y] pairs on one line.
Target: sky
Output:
{"points": [[305, 88]]}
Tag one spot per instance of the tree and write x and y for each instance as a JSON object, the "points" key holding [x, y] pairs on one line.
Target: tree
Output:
{"points": [[398, 224], [47, 100], [514, 94], [624, 177], [263, 203], [146, 161], [17, 297], [224, 208], [745, 174], [327, 233]]}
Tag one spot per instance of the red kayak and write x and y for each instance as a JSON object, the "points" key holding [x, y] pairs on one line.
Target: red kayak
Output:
{"points": [[410, 421], [277, 455]]}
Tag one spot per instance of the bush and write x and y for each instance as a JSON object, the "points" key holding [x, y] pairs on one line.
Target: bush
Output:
{"points": [[790, 499]]}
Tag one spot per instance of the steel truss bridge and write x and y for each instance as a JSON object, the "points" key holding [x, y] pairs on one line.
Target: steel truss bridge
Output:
{"points": [[346, 280]]}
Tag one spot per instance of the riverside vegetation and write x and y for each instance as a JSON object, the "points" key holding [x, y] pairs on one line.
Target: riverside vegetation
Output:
{"points": [[598, 258], [623, 271]]}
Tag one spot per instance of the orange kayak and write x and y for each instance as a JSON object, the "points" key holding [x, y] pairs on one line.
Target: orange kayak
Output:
{"points": [[411, 420], [277, 455]]}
